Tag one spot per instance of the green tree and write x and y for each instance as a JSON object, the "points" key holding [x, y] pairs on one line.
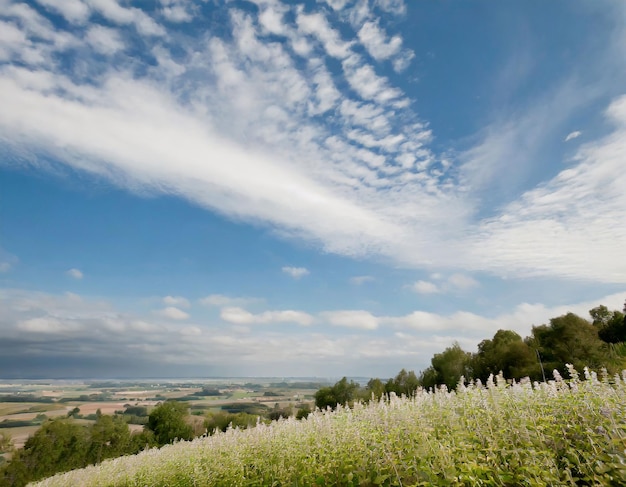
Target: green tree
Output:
{"points": [[343, 392], [110, 437], [611, 325], [58, 446], [404, 383], [168, 422], [506, 352], [569, 339], [375, 388], [447, 368], [303, 412]]}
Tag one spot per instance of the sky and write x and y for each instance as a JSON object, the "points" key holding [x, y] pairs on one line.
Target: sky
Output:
{"points": [[302, 189]]}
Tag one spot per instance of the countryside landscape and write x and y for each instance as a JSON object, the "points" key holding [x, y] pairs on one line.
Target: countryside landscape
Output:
{"points": [[461, 421], [312, 243]]}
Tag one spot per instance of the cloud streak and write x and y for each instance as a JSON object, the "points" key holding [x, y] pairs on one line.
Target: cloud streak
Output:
{"points": [[298, 131]]}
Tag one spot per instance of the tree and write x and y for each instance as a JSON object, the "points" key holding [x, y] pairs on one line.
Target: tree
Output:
{"points": [[58, 446], [611, 325], [569, 339], [404, 383], [506, 352], [167, 422], [343, 392], [110, 438], [447, 368], [375, 388]]}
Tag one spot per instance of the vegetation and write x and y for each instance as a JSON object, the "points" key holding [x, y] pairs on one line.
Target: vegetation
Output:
{"points": [[497, 434], [61, 445], [441, 443], [167, 422]]}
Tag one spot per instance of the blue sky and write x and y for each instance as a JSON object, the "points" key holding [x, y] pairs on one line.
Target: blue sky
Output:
{"points": [[321, 188]]}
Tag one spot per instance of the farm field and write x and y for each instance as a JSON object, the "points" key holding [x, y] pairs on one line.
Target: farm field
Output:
{"points": [[27, 404], [557, 433]]}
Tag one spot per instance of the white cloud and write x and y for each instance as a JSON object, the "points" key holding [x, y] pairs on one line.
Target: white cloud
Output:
{"points": [[402, 61], [296, 272], [5, 266], [336, 4], [292, 140], [178, 301], [317, 25], [46, 325], [461, 281], [74, 11], [240, 316], [396, 7], [476, 327], [75, 273], [220, 301], [177, 10], [359, 319], [364, 81], [573, 135], [358, 280], [104, 39], [172, 313], [375, 41], [114, 12], [571, 226], [425, 287], [94, 334]]}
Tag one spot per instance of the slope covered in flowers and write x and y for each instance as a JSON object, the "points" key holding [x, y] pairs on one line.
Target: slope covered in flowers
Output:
{"points": [[557, 433]]}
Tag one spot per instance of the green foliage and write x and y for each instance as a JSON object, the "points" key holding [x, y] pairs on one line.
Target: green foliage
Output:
{"points": [[57, 446], [208, 391], [25, 398], [246, 407], [405, 383], [110, 437], [569, 339], [136, 411], [168, 422], [447, 368], [6, 443], [611, 325], [506, 352], [222, 421], [303, 412], [375, 388], [556, 433], [343, 392], [61, 445]]}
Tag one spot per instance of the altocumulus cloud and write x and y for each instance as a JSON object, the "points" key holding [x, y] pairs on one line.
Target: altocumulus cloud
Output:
{"points": [[286, 117]]}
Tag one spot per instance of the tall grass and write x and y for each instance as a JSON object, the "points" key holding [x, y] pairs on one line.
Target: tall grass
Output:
{"points": [[499, 434]]}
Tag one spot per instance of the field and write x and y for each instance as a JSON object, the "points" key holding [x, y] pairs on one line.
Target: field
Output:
{"points": [[28, 401], [557, 433]]}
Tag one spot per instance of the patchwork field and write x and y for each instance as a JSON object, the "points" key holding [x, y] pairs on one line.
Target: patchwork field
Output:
{"points": [[26, 404]]}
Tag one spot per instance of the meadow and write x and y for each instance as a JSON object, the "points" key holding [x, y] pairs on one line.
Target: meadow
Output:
{"points": [[561, 432]]}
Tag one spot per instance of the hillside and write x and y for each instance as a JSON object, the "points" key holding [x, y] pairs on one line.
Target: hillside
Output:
{"points": [[559, 433]]}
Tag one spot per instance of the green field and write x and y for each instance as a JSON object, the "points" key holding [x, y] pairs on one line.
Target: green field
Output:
{"points": [[558, 433]]}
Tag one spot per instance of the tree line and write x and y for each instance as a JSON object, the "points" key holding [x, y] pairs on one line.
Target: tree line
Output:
{"points": [[567, 339]]}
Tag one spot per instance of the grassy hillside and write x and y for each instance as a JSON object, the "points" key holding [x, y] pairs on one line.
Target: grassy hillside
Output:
{"points": [[560, 433]]}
